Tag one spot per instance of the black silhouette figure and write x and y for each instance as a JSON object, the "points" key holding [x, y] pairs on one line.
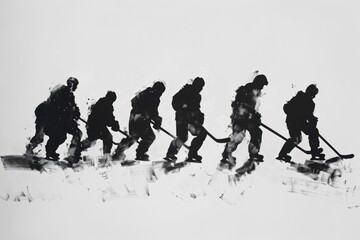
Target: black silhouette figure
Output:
{"points": [[144, 110], [40, 123], [245, 116], [188, 117], [56, 117], [300, 118], [101, 116]]}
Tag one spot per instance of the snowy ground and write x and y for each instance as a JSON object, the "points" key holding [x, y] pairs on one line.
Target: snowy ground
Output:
{"points": [[194, 203], [207, 218]]}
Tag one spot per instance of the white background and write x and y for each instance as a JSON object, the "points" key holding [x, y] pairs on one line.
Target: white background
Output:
{"points": [[125, 46]]}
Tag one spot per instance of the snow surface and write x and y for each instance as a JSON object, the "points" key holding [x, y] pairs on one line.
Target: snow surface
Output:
{"points": [[125, 47]]}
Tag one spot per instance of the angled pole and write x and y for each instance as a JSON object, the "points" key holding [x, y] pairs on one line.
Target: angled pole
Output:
{"points": [[218, 140], [171, 135], [342, 156], [168, 133], [120, 131], [284, 138]]}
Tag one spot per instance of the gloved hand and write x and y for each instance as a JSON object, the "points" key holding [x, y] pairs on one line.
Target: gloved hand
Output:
{"points": [[256, 118], [157, 122], [116, 126], [196, 118], [313, 121], [316, 121], [76, 114], [201, 118]]}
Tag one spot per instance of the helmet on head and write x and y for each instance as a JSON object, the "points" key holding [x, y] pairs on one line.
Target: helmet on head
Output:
{"points": [[72, 80], [312, 90], [198, 82], [159, 87], [111, 96], [260, 81]]}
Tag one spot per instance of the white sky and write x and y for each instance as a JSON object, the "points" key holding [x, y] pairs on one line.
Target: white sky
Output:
{"points": [[126, 45]]}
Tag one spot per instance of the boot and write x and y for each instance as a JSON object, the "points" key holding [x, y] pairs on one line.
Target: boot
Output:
{"points": [[72, 160], [118, 156], [284, 157], [248, 167], [257, 157], [52, 156], [142, 157], [106, 160], [285, 150], [195, 158], [230, 162], [170, 158], [318, 157], [318, 150], [29, 149], [316, 154]]}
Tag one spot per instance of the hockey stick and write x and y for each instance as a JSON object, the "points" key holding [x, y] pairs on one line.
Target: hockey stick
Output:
{"points": [[284, 138], [342, 156], [218, 140], [168, 133], [162, 129], [122, 132]]}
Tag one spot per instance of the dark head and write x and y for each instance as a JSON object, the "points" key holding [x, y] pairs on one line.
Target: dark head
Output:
{"points": [[198, 84], [312, 90], [72, 83], [158, 88], [260, 81], [111, 96]]}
